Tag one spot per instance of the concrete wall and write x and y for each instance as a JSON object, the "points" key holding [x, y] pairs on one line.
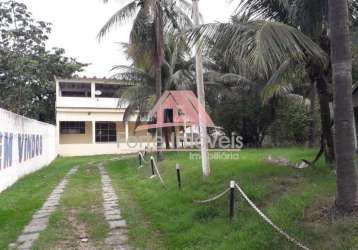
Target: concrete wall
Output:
{"points": [[26, 145]]}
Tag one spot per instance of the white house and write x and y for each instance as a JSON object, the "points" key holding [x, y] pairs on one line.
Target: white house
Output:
{"points": [[89, 117]]}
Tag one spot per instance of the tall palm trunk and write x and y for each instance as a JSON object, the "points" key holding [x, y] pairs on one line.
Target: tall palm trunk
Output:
{"points": [[341, 57], [201, 96], [158, 60]]}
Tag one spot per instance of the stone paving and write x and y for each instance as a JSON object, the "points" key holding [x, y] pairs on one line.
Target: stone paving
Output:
{"points": [[118, 236], [40, 219]]}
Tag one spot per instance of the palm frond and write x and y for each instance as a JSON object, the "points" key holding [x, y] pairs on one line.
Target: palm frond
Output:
{"points": [[263, 45], [279, 84], [267, 9], [125, 13], [138, 99], [230, 80]]}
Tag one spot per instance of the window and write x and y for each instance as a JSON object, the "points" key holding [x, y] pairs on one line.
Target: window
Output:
{"points": [[168, 115], [106, 132], [69, 89], [109, 90], [72, 128]]}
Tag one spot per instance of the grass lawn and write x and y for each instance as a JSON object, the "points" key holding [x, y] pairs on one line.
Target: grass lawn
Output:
{"points": [[159, 218], [79, 215], [19, 202], [294, 199]]}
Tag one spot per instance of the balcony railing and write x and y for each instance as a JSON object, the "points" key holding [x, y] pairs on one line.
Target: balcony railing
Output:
{"points": [[89, 102]]}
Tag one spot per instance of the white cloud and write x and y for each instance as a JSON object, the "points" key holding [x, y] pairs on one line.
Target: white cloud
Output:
{"points": [[77, 22]]}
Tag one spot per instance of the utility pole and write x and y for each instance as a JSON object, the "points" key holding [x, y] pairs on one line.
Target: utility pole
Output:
{"points": [[201, 96]]}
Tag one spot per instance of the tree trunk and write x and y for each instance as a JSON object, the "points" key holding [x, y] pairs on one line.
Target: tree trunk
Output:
{"points": [[326, 121], [312, 124], [341, 58], [201, 96], [158, 60]]}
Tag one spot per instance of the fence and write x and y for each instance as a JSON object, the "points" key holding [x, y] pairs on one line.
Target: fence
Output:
{"points": [[26, 145]]}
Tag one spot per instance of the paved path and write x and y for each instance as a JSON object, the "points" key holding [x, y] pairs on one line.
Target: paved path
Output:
{"points": [[40, 219], [117, 238]]}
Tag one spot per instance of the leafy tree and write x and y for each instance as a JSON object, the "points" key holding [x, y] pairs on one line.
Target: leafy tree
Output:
{"points": [[27, 69], [291, 123], [240, 112]]}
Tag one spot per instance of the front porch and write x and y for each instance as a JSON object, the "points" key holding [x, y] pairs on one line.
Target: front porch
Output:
{"points": [[76, 138]]}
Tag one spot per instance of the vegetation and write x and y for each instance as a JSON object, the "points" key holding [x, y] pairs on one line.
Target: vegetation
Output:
{"points": [[21, 201], [271, 73], [166, 218], [79, 215], [297, 200], [265, 48], [27, 68]]}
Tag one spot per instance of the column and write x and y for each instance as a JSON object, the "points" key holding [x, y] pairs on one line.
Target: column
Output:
{"points": [[93, 89], [93, 132], [126, 130], [185, 137], [192, 135]]}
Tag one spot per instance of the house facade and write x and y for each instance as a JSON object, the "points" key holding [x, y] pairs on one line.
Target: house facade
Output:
{"points": [[89, 119]]}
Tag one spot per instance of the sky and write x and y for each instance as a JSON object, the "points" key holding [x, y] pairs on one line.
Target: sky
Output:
{"points": [[75, 24]]}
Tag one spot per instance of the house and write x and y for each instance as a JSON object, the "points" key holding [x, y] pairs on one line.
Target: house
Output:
{"points": [[89, 119], [178, 110]]}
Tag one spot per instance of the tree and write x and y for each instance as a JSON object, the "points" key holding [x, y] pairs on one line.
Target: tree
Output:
{"points": [[176, 74], [311, 18], [27, 69], [151, 18], [201, 97], [240, 111], [341, 58]]}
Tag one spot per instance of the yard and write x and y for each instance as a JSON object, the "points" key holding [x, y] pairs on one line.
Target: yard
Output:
{"points": [[167, 218]]}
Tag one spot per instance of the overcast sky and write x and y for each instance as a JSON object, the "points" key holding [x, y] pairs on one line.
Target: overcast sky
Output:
{"points": [[75, 24]]}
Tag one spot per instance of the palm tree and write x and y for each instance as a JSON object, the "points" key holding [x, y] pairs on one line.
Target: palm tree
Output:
{"points": [[151, 18], [258, 48], [311, 18], [341, 58], [177, 73]]}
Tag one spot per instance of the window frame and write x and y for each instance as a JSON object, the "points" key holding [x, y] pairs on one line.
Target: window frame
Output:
{"points": [[72, 128], [105, 132]]}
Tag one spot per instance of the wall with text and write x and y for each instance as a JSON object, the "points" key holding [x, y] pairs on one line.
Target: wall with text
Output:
{"points": [[26, 145]]}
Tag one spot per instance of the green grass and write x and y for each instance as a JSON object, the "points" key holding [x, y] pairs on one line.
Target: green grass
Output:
{"points": [[292, 198], [158, 218], [80, 215], [19, 202]]}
